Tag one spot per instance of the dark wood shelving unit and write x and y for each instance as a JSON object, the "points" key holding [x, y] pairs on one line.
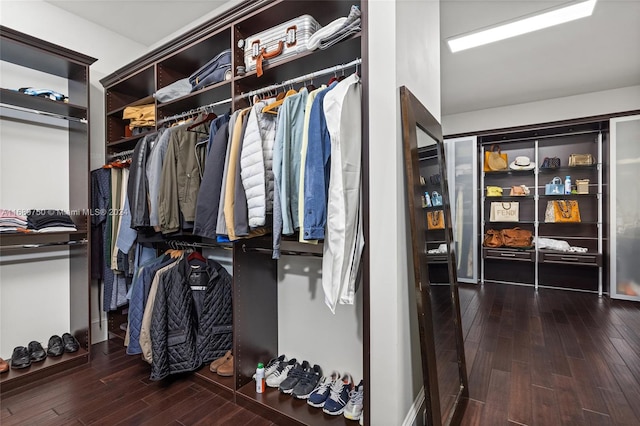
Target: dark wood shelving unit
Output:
{"points": [[285, 409], [30, 52], [129, 140], [510, 198], [143, 101], [39, 370], [37, 103], [575, 271], [255, 278]]}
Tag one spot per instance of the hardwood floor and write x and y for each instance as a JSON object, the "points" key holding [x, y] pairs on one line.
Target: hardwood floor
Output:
{"points": [[115, 390], [548, 358]]}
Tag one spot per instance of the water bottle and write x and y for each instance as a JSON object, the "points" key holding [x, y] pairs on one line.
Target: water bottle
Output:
{"points": [[260, 381], [567, 185]]}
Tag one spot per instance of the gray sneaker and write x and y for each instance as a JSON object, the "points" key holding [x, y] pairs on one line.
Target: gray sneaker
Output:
{"points": [[307, 383], [294, 376]]}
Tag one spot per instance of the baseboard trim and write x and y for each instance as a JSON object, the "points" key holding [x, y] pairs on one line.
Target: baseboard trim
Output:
{"points": [[414, 410]]}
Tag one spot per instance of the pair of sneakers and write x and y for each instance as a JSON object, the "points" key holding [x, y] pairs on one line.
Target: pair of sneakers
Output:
{"points": [[292, 377], [337, 395]]}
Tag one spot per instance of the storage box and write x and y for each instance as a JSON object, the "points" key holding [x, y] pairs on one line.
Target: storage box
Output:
{"points": [[583, 186]]}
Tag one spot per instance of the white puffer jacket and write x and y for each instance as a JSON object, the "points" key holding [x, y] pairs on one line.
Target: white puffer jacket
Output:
{"points": [[256, 163]]}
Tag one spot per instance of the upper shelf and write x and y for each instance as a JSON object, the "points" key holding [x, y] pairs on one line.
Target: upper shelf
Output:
{"points": [[567, 169], [36, 103], [27, 51]]}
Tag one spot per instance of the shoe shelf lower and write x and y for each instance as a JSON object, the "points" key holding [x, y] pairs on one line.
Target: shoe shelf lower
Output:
{"points": [[221, 385], [16, 378], [284, 409]]}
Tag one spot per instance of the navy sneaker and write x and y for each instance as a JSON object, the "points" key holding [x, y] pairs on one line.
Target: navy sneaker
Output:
{"points": [[281, 373], [339, 395], [321, 392], [294, 376], [307, 383]]}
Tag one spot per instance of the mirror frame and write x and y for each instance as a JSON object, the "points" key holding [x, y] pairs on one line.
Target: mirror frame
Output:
{"points": [[414, 116]]}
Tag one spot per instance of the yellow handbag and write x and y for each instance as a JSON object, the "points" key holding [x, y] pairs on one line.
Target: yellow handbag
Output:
{"points": [[435, 220], [495, 160], [494, 191], [566, 211]]}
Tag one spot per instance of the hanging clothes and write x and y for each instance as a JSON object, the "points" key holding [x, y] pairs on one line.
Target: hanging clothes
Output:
{"points": [[344, 240], [286, 166], [154, 173], [192, 317]]}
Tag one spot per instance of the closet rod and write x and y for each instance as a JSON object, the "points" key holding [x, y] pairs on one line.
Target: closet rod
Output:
{"points": [[33, 246], [121, 154], [177, 245], [282, 252], [303, 78], [193, 111], [48, 114]]}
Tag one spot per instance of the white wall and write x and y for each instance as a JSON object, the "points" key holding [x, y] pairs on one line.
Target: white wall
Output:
{"points": [[45, 21], [585, 105], [410, 30]]}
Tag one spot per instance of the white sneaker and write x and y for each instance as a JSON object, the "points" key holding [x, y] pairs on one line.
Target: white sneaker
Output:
{"points": [[353, 409], [281, 373], [272, 366], [362, 419]]}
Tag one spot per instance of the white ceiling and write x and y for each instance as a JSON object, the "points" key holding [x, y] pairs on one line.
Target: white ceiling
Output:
{"points": [[592, 54]]}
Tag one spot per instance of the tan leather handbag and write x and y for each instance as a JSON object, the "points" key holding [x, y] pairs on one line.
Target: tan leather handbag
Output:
{"points": [[517, 238], [435, 220]]}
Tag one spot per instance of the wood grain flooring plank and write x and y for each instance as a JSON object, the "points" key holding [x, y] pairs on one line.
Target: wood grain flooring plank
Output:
{"points": [[503, 356], [520, 394], [631, 358], [568, 401], [619, 408], [521, 346], [495, 410], [208, 406], [473, 413], [592, 418], [165, 410], [480, 376], [545, 406], [541, 370], [35, 417], [4, 413]]}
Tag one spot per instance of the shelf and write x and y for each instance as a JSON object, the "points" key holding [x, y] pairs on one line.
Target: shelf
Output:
{"points": [[20, 238], [520, 222], [432, 208], [38, 370], [569, 196], [509, 172], [305, 62], [11, 97], [146, 100], [569, 223], [510, 198], [567, 169], [208, 95], [130, 139], [285, 409]]}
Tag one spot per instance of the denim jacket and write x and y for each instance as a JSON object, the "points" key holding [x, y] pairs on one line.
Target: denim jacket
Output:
{"points": [[316, 172]]}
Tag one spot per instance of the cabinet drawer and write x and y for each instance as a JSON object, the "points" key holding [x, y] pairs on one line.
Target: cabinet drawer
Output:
{"points": [[592, 259], [505, 254]]}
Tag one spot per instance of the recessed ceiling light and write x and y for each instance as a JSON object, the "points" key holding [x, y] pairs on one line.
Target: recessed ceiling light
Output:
{"points": [[523, 25]]}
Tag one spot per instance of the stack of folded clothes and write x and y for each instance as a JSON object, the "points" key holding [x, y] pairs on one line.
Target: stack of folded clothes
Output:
{"points": [[140, 117], [49, 221], [12, 222], [336, 31]]}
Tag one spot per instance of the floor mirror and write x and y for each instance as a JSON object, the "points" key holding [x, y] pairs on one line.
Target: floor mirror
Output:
{"points": [[436, 286]]}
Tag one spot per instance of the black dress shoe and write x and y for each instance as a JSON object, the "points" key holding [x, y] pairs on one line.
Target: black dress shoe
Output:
{"points": [[55, 347], [20, 358], [36, 352], [70, 343]]}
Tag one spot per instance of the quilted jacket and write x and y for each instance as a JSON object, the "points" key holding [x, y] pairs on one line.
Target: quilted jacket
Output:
{"points": [[256, 164], [192, 317]]}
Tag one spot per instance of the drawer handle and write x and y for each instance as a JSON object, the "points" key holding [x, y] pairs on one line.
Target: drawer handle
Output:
{"points": [[569, 258], [508, 254]]}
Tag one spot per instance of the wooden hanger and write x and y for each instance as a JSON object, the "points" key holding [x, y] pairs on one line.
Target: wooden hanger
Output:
{"points": [[272, 108], [204, 119], [197, 256]]}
